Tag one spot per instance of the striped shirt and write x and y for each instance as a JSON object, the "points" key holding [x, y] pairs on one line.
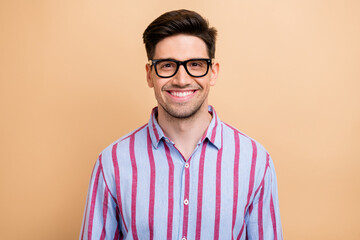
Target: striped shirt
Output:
{"points": [[142, 188]]}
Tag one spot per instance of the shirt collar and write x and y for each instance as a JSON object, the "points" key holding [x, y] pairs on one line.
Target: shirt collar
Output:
{"points": [[213, 133], [156, 133], [214, 130]]}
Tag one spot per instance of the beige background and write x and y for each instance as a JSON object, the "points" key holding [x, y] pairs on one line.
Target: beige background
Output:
{"points": [[73, 81]]}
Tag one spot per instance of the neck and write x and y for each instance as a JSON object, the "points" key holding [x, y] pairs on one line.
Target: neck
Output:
{"points": [[185, 132]]}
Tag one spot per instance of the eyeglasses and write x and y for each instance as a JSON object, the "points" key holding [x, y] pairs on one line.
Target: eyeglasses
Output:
{"points": [[196, 67]]}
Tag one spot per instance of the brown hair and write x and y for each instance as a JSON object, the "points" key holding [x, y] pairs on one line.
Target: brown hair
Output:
{"points": [[179, 22]]}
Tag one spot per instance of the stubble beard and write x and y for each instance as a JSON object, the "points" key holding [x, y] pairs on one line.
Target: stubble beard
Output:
{"points": [[177, 112], [187, 114]]}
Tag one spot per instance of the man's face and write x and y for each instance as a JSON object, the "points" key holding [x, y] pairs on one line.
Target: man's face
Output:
{"points": [[181, 96]]}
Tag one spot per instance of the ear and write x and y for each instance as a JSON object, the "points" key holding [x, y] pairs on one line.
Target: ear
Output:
{"points": [[148, 75], [214, 73]]}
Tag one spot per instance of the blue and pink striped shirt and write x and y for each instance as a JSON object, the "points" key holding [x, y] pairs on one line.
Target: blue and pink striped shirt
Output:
{"points": [[142, 188]]}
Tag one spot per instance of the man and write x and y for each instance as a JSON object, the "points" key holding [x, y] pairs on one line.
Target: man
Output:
{"points": [[185, 174]]}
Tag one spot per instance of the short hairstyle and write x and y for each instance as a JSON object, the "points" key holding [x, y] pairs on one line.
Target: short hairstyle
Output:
{"points": [[179, 22]]}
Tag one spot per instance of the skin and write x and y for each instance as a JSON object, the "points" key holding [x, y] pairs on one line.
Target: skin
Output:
{"points": [[183, 119]]}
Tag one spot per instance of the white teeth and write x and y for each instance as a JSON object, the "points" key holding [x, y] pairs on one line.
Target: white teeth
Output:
{"points": [[181, 94]]}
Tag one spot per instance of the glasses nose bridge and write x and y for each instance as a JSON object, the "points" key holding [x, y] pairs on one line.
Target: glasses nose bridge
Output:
{"points": [[182, 63], [181, 76]]}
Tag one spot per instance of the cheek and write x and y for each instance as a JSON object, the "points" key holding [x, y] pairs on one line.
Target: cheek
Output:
{"points": [[205, 83], [157, 89], [160, 83]]}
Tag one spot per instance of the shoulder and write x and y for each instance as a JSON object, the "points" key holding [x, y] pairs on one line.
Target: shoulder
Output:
{"points": [[230, 131], [254, 159], [119, 150], [116, 154], [247, 146], [122, 143]]}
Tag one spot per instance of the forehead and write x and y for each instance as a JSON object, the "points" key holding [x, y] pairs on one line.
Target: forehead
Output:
{"points": [[181, 47]]}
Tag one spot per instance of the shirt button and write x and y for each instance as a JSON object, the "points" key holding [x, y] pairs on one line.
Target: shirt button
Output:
{"points": [[184, 238], [167, 140], [187, 165], [186, 202]]}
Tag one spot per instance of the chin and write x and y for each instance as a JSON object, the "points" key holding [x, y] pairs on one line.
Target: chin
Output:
{"points": [[185, 114]]}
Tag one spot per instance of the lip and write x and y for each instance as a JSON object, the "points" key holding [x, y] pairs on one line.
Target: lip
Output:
{"points": [[181, 95]]}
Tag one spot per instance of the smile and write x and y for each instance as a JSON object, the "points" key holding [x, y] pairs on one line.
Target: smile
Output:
{"points": [[181, 94]]}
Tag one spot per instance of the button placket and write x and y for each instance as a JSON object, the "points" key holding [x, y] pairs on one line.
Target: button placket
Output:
{"points": [[186, 197]]}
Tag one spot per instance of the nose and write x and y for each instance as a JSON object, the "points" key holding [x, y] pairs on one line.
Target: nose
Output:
{"points": [[181, 78]]}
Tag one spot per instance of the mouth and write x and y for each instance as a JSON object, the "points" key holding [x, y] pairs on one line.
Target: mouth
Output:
{"points": [[181, 94]]}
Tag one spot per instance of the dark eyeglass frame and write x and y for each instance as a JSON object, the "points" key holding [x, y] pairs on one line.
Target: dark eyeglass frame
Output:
{"points": [[183, 63]]}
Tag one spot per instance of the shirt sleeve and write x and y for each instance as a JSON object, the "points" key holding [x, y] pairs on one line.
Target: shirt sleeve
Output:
{"points": [[101, 216], [264, 214]]}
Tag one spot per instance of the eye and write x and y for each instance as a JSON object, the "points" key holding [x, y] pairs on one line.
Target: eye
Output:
{"points": [[196, 64], [166, 65]]}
